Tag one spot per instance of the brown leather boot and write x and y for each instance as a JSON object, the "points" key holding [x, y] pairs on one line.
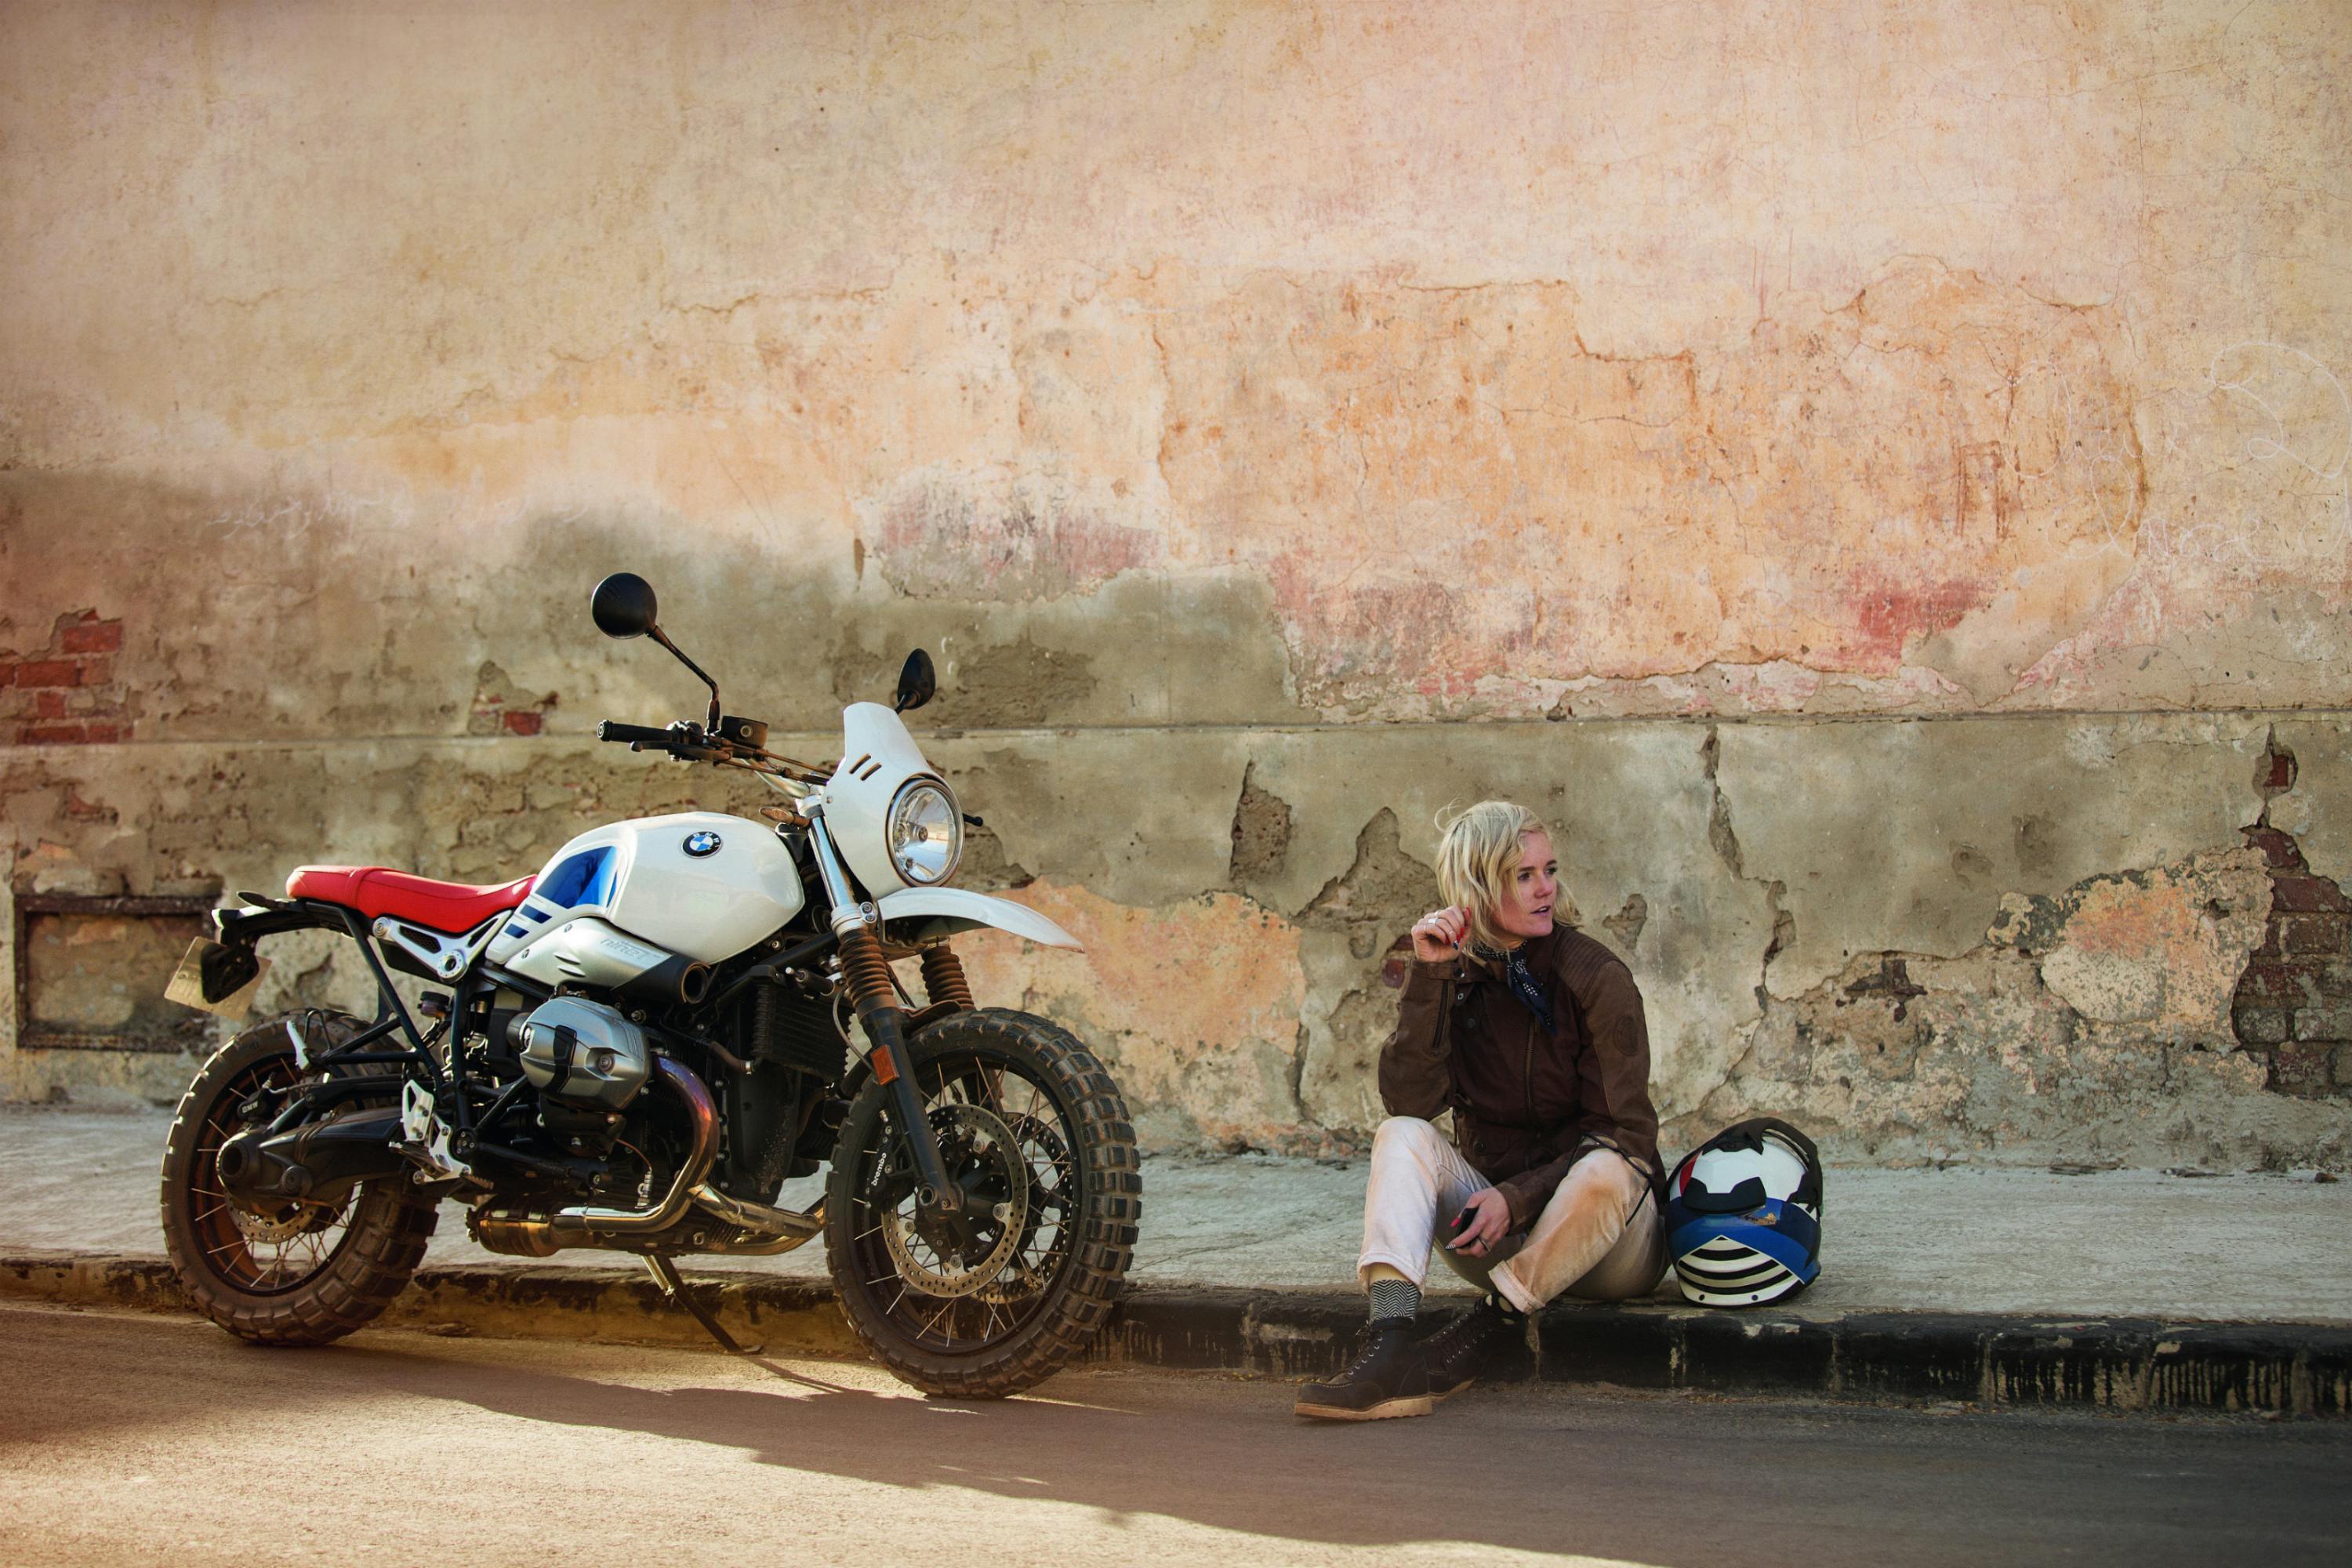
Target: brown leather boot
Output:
{"points": [[1458, 1352], [1387, 1379]]}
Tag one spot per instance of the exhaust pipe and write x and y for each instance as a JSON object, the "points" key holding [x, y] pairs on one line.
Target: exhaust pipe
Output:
{"points": [[745, 1214], [703, 1150], [762, 1231]]}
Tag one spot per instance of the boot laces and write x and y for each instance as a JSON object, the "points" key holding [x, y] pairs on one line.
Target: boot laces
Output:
{"points": [[1468, 1333], [1370, 1349]]}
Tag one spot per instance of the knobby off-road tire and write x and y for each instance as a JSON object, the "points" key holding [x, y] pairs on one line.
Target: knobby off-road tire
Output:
{"points": [[1055, 1275], [332, 1283]]}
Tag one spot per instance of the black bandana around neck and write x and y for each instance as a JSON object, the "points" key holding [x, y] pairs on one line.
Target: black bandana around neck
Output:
{"points": [[1522, 981]]}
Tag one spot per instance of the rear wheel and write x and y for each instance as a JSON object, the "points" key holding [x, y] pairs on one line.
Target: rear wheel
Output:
{"points": [[304, 1273], [1034, 1130]]}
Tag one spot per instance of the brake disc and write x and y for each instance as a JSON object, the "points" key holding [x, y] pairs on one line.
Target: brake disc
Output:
{"points": [[1039, 1143], [984, 1158], [294, 1221]]}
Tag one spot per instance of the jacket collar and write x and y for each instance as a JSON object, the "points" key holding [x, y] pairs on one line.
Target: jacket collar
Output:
{"points": [[1540, 952]]}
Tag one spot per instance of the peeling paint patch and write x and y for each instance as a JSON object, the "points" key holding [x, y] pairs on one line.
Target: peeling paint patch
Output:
{"points": [[2163, 949], [1261, 833], [499, 710], [1195, 1005], [952, 535]]}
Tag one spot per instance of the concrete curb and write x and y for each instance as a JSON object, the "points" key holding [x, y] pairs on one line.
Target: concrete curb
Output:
{"points": [[2139, 1365]]}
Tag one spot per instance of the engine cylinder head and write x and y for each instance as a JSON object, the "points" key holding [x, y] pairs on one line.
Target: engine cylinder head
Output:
{"points": [[582, 1053]]}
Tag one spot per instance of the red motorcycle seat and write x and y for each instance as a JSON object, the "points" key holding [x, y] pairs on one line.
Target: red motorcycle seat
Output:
{"points": [[376, 891]]}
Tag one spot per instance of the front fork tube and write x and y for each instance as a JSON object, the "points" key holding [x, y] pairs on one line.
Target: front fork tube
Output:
{"points": [[893, 1065], [866, 973]]}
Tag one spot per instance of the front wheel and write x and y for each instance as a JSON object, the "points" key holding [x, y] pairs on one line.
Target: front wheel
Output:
{"points": [[1033, 1129]]}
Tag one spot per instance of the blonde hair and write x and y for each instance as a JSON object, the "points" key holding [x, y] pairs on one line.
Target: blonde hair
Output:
{"points": [[1477, 849]]}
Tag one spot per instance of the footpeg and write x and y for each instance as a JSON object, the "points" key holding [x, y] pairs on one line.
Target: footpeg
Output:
{"points": [[425, 1138]]}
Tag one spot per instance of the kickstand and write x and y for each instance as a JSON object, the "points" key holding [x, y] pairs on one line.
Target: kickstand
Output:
{"points": [[664, 1275]]}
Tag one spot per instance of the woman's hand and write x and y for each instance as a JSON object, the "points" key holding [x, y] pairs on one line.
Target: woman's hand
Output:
{"points": [[1492, 1220], [1439, 933]]}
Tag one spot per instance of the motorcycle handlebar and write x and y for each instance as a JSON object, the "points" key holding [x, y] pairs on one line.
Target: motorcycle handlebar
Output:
{"points": [[637, 736]]}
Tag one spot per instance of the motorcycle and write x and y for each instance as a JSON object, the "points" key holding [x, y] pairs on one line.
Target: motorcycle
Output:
{"points": [[635, 1049]]}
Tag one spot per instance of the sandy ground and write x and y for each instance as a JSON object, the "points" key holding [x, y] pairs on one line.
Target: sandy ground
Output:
{"points": [[138, 1439]]}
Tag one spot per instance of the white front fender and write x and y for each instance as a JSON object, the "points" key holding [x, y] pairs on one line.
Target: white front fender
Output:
{"points": [[942, 911]]}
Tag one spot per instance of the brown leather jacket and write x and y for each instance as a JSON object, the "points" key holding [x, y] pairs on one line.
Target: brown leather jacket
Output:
{"points": [[1527, 1105]]}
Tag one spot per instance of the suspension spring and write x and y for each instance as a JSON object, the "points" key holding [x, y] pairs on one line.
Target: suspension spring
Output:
{"points": [[943, 978], [865, 971]]}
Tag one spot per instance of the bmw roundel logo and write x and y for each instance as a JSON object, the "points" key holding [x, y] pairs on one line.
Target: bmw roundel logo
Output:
{"points": [[703, 843]]}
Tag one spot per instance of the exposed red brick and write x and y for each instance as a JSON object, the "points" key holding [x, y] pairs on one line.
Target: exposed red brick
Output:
{"points": [[2303, 1070], [523, 723], [92, 637], [96, 670], [106, 734], [49, 704], [2261, 1025], [7, 672], [49, 672], [2278, 983], [2283, 852], [2307, 894], [2322, 1025], [52, 734], [2314, 933]]}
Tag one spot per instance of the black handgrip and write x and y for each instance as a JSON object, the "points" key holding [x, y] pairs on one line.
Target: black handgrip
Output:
{"points": [[635, 735]]}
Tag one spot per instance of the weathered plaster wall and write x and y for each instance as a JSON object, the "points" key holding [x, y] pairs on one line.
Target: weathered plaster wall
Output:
{"points": [[1881, 481]]}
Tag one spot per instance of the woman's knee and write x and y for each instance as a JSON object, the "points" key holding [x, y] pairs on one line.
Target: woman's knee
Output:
{"points": [[1405, 1134], [1602, 1177]]}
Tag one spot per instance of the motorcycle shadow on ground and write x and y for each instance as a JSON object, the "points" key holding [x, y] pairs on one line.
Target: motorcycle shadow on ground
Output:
{"points": [[1123, 1443]]}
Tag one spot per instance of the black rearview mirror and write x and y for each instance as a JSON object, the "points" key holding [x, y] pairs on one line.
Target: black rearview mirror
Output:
{"points": [[918, 682], [622, 605]]}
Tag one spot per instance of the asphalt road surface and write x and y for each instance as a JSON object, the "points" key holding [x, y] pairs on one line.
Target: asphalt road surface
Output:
{"points": [[127, 1437]]}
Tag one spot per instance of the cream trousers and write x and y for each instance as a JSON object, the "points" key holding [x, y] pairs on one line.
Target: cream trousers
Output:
{"points": [[1598, 1238]]}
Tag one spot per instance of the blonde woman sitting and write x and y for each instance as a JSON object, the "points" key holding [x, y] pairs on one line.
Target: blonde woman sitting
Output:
{"points": [[1531, 1034]]}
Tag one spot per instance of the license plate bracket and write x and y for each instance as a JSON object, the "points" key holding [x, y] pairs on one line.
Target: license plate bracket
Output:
{"points": [[217, 978]]}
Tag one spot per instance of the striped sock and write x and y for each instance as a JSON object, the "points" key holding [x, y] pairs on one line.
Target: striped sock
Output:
{"points": [[1395, 1299]]}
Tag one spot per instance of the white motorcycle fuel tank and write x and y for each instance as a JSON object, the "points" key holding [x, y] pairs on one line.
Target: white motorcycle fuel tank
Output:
{"points": [[698, 884]]}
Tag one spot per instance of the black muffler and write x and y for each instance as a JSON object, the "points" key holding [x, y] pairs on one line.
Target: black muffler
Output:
{"points": [[317, 1164]]}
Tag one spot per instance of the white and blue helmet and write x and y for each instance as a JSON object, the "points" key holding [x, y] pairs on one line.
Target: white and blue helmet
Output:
{"points": [[1744, 1215]]}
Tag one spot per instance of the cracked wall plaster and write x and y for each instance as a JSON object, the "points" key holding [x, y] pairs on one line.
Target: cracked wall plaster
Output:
{"points": [[2091, 1025], [1906, 836], [1253, 1016]]}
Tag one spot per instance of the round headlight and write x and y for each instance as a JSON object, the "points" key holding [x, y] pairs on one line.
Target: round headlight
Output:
{"points": [[926, 833]]}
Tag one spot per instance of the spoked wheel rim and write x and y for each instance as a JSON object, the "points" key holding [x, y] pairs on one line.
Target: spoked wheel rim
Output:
{"points": [[1012, 1144], [259, 1254]]}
